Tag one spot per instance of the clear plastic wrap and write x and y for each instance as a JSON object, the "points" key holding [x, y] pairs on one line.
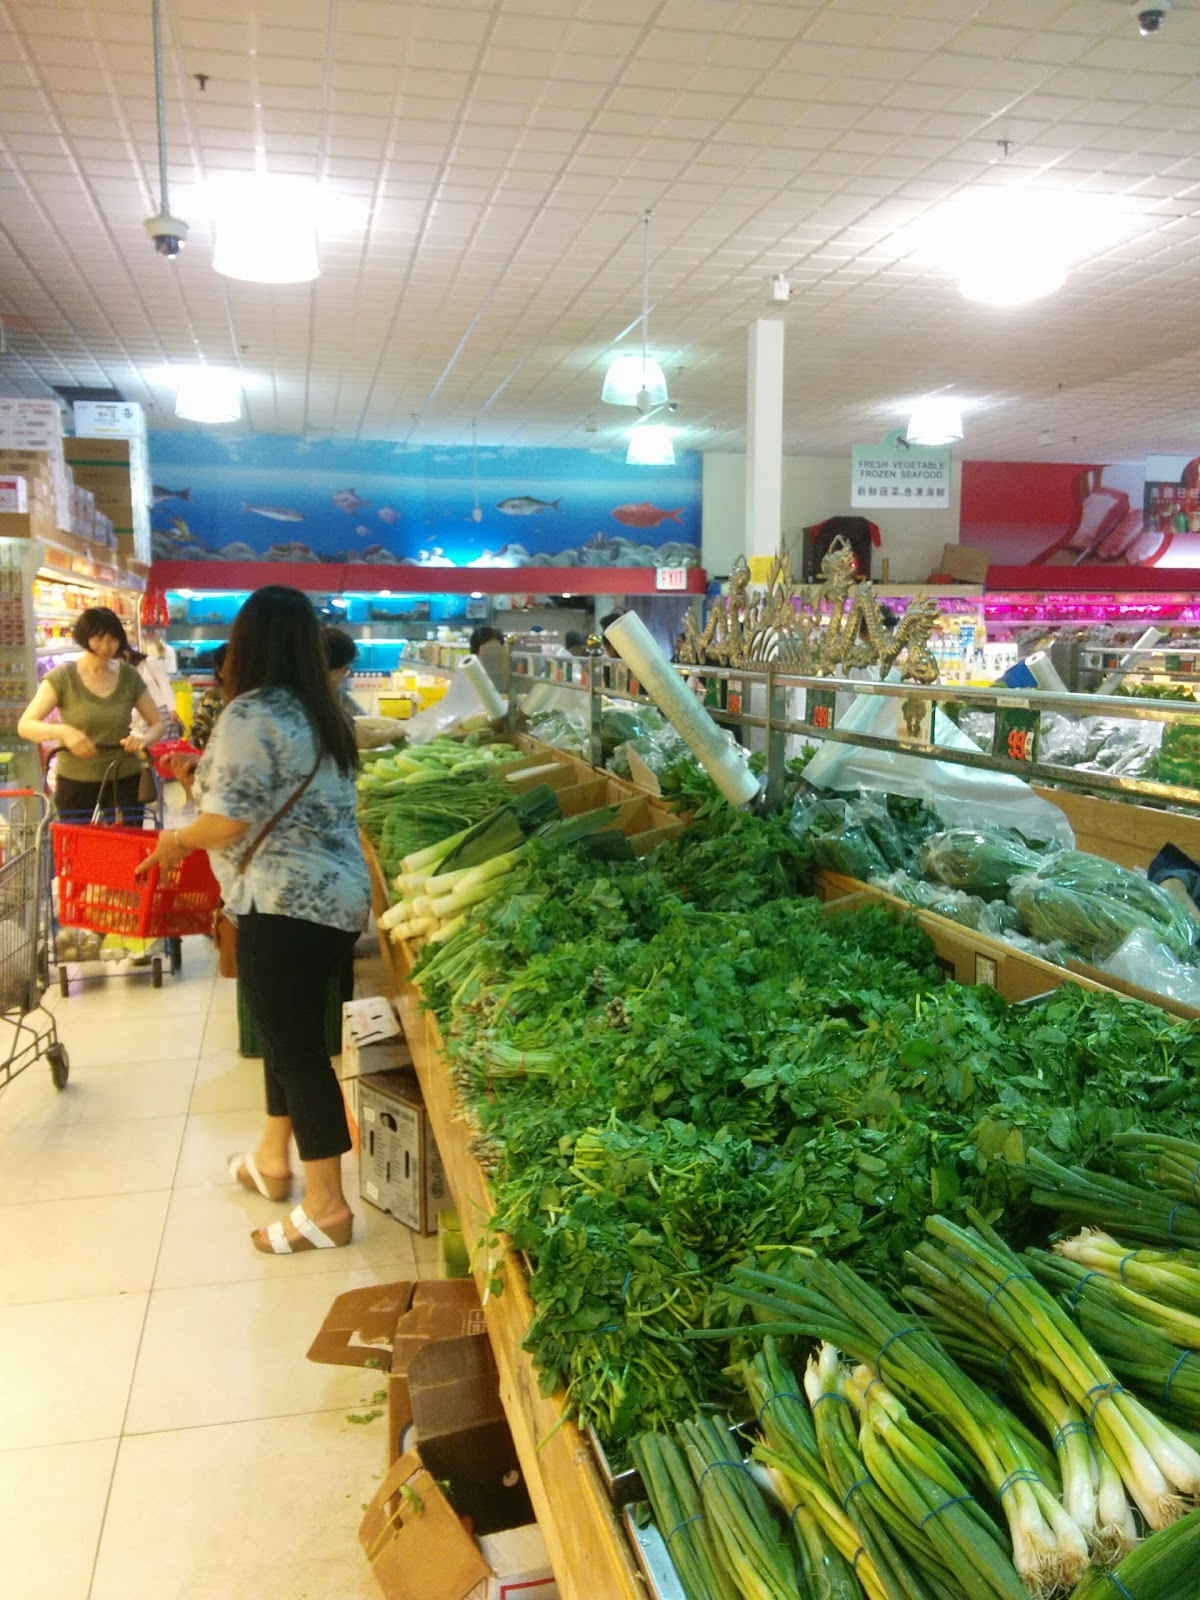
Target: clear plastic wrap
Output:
{"points": [[1143, 960], [860, 837], [1094, 905], [979, 726], [982, 861], [1064, 742], [660, 750]]}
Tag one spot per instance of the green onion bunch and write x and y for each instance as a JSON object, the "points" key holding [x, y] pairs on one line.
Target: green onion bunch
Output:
{"points": [[1162, 1568], [675, 1502], [750, 1545], [1134, 1211]]}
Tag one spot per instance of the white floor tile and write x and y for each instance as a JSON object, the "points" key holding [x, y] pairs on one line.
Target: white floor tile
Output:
{"points": [[68, 1249], [47, 1163], [118, 1034], [220, 1035], [65, 1369], [207, 1240], [228, 1083], [241, 1510], [234, 1352], [128, 1092], [53, 1500]]}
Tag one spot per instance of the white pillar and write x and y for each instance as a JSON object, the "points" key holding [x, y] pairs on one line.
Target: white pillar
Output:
{"points": [[764, 438]]}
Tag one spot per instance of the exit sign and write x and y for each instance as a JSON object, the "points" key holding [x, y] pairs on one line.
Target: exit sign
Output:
{"points": [[673, 579]]}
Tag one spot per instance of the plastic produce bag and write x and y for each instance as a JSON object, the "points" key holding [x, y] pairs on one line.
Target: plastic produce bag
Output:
{"points": [[1094, 905], [982, 861], [563, 730], [660, 750], [961, 795], [1065, 741], [1143, 960]]}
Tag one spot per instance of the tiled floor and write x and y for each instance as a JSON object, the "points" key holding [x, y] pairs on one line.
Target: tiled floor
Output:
{"points": [[161, 1433]]}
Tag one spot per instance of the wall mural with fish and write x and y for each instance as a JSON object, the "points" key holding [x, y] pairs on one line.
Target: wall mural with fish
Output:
{"points": [[268, 497]]}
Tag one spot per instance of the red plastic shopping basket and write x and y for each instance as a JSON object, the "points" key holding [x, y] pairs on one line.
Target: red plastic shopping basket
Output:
{"points": [[98, 891], [162, 752]]}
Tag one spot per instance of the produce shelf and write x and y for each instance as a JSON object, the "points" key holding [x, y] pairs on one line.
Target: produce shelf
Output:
{"points": [[588, 1548]]}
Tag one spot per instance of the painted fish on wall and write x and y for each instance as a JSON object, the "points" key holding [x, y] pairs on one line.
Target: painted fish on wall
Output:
{"points": [[645, 515], [348, 501], [274, 513], [524, 505]]}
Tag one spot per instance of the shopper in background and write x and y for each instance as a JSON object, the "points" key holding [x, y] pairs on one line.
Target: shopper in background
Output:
{"points": [[96, 696], [574, 643], [154, 675], [204, 716], [276, 794], [482, 636], [341, 652]]}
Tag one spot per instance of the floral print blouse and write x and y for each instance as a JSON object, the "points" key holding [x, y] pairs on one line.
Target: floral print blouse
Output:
{"points": [[311, 865]]}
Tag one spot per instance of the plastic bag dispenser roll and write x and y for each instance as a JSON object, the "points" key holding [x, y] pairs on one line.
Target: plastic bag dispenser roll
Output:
{"points": [[489, 696], [635, 645]]}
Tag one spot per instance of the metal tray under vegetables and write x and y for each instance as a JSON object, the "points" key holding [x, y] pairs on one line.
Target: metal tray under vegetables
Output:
{"points": [[653, 1558], [623, 1487]]}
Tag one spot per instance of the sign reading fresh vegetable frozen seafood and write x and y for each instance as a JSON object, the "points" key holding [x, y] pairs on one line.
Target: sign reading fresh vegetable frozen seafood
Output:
{"points": [[900, 475]]}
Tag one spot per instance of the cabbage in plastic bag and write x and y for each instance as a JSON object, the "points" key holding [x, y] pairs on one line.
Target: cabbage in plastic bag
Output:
{"points": [[982, 861], [1094, 905]]}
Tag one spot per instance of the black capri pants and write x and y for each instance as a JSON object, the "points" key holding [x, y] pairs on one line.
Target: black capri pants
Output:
{"points": [[284, 968]]}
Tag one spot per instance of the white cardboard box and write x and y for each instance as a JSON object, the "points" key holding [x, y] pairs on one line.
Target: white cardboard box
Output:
{"points": [[14, 494], [400, 1167], [520, 1566], [372, 1039], [96, 419]]}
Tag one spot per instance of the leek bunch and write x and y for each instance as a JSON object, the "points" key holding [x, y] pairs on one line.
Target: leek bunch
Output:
{"points": [[975, 1269], [827, 1300]]}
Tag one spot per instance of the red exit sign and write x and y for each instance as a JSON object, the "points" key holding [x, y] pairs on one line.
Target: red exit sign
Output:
{"points": [[672, 579]]}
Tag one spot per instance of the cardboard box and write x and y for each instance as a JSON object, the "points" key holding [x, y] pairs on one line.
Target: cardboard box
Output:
{"points": [[14, 494], [372, 1038], [384, 1328], [400, 1169], [96, 452], [94, 418], [415, 1540], [962, 563]]}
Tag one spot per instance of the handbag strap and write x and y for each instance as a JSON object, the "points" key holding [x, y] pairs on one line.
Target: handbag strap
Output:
{"points": [[279, 815]]}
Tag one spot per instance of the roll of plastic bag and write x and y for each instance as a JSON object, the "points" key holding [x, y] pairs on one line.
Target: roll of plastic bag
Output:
{"points": [[634, 643], [490, 698]]}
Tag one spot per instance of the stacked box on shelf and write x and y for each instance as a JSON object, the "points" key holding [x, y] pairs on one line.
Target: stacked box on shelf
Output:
{"points": [[34, 427], [123, 419], [105, 468]]}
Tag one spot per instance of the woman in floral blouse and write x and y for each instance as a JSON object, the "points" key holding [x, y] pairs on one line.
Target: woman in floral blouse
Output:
{"points": [[300, 896]]}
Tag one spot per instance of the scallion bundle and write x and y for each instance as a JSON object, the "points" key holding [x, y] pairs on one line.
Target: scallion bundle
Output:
{"points": [[749, 1544], [675, 1502]]}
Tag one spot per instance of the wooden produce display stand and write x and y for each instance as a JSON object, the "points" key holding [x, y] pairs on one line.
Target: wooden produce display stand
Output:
{"points": [[1129, 835]]}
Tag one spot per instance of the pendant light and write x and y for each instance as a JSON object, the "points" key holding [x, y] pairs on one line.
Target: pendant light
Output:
{"points": [[633, 380], [650, 446], [935, 423], [266, 231]]}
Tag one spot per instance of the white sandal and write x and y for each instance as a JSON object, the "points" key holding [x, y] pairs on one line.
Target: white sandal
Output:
{"points": [[244, 1170], [274, 1240]]}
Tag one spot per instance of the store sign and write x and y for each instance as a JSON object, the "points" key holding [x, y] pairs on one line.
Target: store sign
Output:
{"points": [[900, 476], [671, 580], [822, 704]]}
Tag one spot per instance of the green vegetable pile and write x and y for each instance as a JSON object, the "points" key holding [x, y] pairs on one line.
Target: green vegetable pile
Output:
{"points": [[668, 1064]]}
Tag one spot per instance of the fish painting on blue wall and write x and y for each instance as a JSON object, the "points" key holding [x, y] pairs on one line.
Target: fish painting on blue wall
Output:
{"points": [[343, 498]]}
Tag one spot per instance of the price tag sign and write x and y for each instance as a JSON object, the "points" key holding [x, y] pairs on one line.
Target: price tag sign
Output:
{"points": [[822, 704], [1017, 735], [734, 696], [671, 580]]}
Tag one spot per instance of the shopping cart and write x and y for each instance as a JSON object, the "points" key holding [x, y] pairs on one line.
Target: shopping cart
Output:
{"points": [[24, 935], [98, 893]]}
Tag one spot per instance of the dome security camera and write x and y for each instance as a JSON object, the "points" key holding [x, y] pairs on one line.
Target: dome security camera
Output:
{"points": [[166, 233], [1150, 18]]}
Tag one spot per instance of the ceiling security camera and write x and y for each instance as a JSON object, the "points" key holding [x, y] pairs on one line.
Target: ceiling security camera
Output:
{"points": [[1150, 18], [166, 233]]}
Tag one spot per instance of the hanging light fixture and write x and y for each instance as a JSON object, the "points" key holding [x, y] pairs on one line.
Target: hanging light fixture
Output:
{"points": [[650, 446], [166, 233], [934, 423], [633, 380], [266, 230], [209, 395]]}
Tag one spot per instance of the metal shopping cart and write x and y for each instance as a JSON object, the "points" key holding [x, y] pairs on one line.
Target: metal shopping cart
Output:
{"points": [[24, 935]]}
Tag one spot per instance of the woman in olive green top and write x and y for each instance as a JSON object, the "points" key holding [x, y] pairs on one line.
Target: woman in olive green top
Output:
{"points": [[96, 696]]}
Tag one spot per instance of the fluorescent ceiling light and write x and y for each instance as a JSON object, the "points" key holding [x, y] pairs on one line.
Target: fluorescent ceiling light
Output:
{"points": [[935, 422], [266, 230], [209, 395], [650, 447]]}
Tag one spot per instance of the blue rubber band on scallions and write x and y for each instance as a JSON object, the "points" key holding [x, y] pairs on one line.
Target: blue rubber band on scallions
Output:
{"points": [[859, 1483], [1103, 1391], [679, 1526], [1166, 1394], [959, 1500], [738, 1466], [903, 1333], [1004, 1285], [1118, 1585], [1021, 1475], [783, 1394], [1079, 1287]]}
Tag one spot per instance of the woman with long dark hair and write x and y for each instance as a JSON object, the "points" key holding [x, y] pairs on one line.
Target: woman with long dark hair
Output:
{"points": [[275, 790]]}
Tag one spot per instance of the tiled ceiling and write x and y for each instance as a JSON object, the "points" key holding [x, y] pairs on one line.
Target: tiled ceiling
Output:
{"points": [[500, 154]]}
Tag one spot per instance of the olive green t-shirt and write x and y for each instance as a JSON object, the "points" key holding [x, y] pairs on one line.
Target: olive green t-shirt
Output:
{"points": [[104, 718]]}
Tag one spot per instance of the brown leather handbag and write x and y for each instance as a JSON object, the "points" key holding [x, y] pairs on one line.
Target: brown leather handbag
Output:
{"points": [[224, 927]]}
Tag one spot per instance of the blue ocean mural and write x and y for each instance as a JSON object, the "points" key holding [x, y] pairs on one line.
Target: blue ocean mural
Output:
{"points": [[269, 497]]}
